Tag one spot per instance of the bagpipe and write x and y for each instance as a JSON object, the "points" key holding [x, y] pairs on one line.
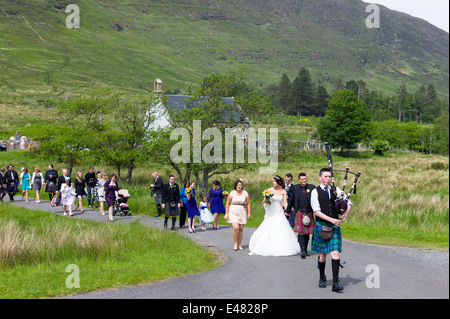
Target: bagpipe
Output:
{"points": [[342, 198]]}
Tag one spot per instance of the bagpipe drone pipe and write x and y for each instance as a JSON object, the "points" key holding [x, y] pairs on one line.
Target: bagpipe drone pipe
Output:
{"points": [[341, 198]]}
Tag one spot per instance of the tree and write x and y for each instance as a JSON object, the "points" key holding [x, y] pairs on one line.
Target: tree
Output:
{"points": [[303, 92], [320, 101], [441, 129], [346, 122], [283, 97]]}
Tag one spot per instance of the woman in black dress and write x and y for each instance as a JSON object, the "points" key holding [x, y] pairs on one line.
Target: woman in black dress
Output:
{"points": [[80, 189]]}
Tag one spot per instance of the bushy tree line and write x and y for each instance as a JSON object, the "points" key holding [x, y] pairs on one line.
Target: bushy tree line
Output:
{"points": [[302, 97]]}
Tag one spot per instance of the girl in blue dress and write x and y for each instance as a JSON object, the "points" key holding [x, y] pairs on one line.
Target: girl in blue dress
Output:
{"points": [[191, 206], [215, 200]]}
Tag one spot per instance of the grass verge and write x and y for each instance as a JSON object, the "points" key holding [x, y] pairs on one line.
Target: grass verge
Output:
{"points": [[37, 247]]}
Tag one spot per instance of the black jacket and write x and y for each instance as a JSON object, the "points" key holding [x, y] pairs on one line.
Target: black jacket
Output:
{"points": [[299, 201], [158, 186], [171, 194], [9, 174]]}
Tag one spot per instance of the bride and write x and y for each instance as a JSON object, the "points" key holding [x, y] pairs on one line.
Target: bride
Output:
{"points": [[275, 237]]}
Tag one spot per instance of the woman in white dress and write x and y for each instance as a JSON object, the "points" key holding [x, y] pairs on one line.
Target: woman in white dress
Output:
{"points": [[275, 237]]}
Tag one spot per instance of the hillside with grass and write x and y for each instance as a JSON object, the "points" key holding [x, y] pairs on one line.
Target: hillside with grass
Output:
{"points": [[127, 44]]}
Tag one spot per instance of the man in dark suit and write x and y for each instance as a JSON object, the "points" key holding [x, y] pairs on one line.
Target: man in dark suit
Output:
{"points": [[2, 184], [300, 201], [171, 201], [12, 180], [158, 191]]}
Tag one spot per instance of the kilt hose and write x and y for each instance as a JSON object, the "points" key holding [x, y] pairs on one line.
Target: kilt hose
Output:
{"points": [[326, 246]]}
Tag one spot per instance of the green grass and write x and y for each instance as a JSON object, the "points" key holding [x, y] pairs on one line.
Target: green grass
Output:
{"points": [[36, 247], [183, 42]]}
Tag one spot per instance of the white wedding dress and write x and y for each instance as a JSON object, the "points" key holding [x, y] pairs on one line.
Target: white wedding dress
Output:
{"points": [[274, 237]]}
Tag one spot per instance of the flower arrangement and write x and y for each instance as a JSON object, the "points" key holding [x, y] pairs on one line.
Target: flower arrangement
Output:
{"points": [[225, 193], [188, 190], [268, 194]]}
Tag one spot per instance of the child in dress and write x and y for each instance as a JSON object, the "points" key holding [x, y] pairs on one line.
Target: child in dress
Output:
{"points": [[67, 196], [205, 214]]}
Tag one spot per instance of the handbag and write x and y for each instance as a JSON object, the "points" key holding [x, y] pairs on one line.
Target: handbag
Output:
{"points": [[326, 233]]}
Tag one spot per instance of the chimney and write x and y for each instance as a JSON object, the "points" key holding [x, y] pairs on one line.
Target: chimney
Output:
{"points": [[157, 87]]}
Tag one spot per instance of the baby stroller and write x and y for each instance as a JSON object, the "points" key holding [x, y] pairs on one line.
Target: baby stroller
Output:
{"points": [[121, 206]]}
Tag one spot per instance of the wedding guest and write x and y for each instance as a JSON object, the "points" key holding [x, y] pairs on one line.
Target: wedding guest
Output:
{"points": [[50, 181], [12, 180], [171, 201], [183, 210], [300, 203], [158, 189], [25, 183], [2, 184], [67, 196], [37, 180], [111, 187], [191, 206], [288, 188], [205, 214], [98, 185], [215, 202], [101, 192], [80, 189], [62, 179], [89, 178], [237, 202]]}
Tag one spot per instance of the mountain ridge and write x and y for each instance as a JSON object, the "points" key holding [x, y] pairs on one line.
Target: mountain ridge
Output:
{"points": [[127, 44]]}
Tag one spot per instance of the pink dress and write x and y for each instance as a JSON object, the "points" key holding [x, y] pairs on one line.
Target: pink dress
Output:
{"points": [[237, 212]]}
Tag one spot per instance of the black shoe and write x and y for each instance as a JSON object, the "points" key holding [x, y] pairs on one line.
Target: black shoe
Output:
{"points": [[323, 282], [337, 287], [157, 215], [173, 228], [303, 255], [165, 224]]}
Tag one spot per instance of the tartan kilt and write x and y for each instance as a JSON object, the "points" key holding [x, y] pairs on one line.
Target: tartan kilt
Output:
{"points": [[12, 187], [298, 224], [326, 246]]}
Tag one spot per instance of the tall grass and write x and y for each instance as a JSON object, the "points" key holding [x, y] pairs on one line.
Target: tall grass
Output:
{"points": [[36, 247]]}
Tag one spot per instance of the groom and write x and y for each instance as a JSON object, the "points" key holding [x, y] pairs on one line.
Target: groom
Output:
{"points": [[304, 219]]}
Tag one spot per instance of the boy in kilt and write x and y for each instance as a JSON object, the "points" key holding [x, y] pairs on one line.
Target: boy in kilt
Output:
{"points": [[301, 202], [323, 205]]}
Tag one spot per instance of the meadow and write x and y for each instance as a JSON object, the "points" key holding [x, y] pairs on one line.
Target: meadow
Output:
{"points": [[37, 247], [402, 198]]}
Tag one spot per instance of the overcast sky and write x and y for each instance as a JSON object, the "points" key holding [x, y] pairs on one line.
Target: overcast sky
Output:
{"points": [[433, 11]]}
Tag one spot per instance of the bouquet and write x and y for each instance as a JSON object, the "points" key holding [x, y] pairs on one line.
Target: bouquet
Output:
{"points": [[268, 194], [188, 190], [225, 193]]}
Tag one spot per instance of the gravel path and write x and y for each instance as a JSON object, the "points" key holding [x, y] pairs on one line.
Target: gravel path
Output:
{"points": [[403, 272]]}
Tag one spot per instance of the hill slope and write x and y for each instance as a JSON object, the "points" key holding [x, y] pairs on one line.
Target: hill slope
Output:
{"points": [[127, 44]]}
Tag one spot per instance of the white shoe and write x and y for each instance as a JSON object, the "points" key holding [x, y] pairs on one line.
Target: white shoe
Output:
{"points": [[65, 214]]}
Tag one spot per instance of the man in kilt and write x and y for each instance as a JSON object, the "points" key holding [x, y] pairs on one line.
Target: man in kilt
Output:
{"points": [[171, 201], [304, 220], [323, 205]]}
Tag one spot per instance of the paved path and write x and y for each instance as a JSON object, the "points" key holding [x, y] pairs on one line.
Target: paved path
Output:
{"points": [[403, 272]]}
